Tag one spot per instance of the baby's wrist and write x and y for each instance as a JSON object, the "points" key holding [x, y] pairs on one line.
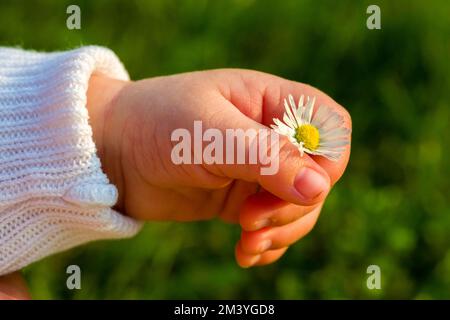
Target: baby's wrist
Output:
{"points": [[102, 95]]}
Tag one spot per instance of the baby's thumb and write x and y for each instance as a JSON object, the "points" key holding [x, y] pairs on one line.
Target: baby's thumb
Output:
{"points": [[254, 152]]}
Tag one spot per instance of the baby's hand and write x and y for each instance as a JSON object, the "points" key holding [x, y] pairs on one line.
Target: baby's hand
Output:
{"points": [[133, 124]]}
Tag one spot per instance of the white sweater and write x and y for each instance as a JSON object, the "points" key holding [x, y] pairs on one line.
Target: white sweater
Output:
{"points": [[53, 193]]}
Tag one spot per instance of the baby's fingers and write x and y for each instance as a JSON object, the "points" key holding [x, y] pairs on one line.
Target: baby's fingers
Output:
{"points": [[260, 96], [270, 238], [248, 260], [264, 209]]}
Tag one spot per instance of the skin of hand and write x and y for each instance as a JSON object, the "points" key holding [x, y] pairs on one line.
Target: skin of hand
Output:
{"points": [[132, 123], [13, 287]]}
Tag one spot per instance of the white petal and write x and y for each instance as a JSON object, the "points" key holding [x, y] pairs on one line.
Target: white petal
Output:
{"points": [[309, 110], [282, 124], [299, 111], [333, 144], [323, 150], [298, 118], [288, 121], [320, 115], [330, 155], [299, 114], [287, 117], [283, 129], [280, 130], [292, 102], [334, 138], [336, 132], [333, 120], [289, 113], [311, 152], [300, 101]]}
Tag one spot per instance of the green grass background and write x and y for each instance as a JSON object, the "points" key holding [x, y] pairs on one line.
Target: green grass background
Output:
{"points": [[391, 208]]}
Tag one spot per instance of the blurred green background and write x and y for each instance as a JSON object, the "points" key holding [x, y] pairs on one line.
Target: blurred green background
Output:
{"points": [[390, 209]]}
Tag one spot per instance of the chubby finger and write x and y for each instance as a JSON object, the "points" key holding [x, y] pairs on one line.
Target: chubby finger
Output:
{"points": [[259, 96], [245, 260], [269, 238], [271, 256], [285, 172], [264, 209], [237, 194], [280, 88]]}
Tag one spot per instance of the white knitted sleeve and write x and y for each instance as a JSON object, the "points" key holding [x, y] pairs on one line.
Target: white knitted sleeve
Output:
{"points": [[53, 193]]}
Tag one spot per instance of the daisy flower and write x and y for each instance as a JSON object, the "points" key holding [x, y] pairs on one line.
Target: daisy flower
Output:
{"points": [[320, 133]]}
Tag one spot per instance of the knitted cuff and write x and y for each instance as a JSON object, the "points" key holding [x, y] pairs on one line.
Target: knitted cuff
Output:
{"points": [[53, 193]]}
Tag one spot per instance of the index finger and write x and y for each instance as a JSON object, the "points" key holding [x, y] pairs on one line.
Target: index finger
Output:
{"points": [[260, 96], [278, 89]]}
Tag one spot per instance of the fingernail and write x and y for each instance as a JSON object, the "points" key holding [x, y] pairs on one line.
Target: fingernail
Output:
{"points": [[261, 224], [266, 244], [309, 183]]}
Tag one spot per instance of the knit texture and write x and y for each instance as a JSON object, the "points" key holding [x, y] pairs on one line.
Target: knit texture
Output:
{"points": [[53, 193]]}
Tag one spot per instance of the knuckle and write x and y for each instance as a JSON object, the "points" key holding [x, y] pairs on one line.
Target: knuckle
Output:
{"points": [[248, 241]]}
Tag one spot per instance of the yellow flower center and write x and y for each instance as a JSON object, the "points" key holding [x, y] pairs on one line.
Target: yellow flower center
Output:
{"points": [[309, 135]]}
